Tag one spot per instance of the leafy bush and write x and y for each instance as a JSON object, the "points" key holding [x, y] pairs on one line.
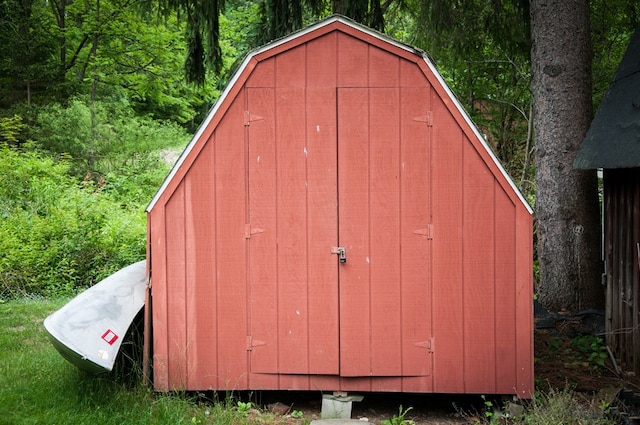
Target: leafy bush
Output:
{"points": [[136, 185], [399, 419], [72, 201], [102, 137], [10, 128], [592, 349], [57, 235]]}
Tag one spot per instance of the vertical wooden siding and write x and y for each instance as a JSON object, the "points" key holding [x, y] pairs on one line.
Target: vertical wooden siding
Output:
{"points": [[199, 269], [481, 287], [622, 236], [225, 283]]}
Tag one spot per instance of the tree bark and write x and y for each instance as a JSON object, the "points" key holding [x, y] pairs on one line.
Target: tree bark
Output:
{"points": [[567, 212]]}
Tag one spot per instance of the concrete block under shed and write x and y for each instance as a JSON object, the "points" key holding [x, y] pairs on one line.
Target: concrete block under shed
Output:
{"points": [[338, 406]]}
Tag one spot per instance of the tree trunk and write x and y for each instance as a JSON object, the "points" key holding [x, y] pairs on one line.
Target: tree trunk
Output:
{"points": [[567, 213]]}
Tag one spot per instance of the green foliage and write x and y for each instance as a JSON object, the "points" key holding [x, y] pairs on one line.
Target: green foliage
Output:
{"points": [[592, 348], [28, 54], [560, 407], [69, 130], [57, 236], [239, 31], [489, 413], [70, 219], [244, 407], [202, 34], [37, 386], [102, 137], [135, 182], [612, 24], [554, 345], [399, 419], [140, 59], [467, 28], [100, 49], [10, 129], [553, 408]]}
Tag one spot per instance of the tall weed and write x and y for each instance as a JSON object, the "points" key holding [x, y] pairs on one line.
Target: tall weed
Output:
{"points": [[10, 128], [555, 407], [56, 235], [72, 201]]}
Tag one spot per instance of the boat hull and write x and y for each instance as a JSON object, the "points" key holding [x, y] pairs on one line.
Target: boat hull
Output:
{"points": [[89, 330]]}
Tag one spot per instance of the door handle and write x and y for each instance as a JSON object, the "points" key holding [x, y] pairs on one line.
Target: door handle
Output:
{"points": [[341, 252]]}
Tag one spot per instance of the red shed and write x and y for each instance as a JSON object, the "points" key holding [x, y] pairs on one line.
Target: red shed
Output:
{"points": [[338, 223]]}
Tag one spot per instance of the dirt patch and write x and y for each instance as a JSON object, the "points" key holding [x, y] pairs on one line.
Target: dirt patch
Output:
{"points": [[566, 353], [170, 155], [569, 352], [572, 355], [376, 407]]}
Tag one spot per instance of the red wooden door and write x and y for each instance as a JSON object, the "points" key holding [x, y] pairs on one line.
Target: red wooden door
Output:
{"points": [[350, 169], [384, 225]]}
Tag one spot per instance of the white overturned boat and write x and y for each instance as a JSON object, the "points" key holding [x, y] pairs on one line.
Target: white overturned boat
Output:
{"points": [[89, 329]]}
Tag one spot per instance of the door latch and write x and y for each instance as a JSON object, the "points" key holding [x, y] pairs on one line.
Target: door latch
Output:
{"points": [[341, 252]]}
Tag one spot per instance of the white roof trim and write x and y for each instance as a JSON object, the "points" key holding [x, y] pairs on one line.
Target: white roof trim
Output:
{"points": [[477, 133], [199, 132], [300, 33]]}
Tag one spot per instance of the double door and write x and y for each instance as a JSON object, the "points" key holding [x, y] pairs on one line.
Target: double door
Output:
{"points": [[339, 231]]}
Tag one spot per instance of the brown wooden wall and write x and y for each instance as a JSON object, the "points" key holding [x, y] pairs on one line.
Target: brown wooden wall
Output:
{"points": [[337, 138], [622, 249]]}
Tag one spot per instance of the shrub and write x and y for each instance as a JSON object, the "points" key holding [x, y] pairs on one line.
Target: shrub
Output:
{"points": [[72, 201], [56, 235], [10, 128], [102, 137]]}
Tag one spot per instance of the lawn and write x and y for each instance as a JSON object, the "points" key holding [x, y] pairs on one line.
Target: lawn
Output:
{"points": [[37, 386]]}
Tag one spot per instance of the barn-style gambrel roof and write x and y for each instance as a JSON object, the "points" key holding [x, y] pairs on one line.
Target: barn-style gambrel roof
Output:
{"points": [[334, 216], [314, 31]]}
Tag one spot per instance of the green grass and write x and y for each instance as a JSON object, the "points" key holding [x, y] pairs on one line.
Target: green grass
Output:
{"points": [[37, 386], [554, 407]]}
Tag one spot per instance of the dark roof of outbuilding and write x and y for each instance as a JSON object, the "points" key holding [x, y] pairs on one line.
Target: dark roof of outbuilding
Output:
{"points": [[613, 140]]}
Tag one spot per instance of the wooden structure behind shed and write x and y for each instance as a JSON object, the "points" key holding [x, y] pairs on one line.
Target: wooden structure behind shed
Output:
{"points": [[613, 144], [338, 223]]}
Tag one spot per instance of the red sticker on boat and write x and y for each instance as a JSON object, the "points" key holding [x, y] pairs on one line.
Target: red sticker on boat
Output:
{"points": [[110, 337]]}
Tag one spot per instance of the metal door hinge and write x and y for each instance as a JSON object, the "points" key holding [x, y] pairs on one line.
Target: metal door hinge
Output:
{"points": [[248, 231], [427, 118], [249, 118], [427, 232], [428, 344], [254, 343]]}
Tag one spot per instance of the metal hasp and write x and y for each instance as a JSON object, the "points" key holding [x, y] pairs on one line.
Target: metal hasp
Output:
{"points": [[342, 253]]}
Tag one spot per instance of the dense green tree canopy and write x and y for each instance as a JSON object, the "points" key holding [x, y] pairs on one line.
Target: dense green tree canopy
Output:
{"points": [[77, 77]]}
